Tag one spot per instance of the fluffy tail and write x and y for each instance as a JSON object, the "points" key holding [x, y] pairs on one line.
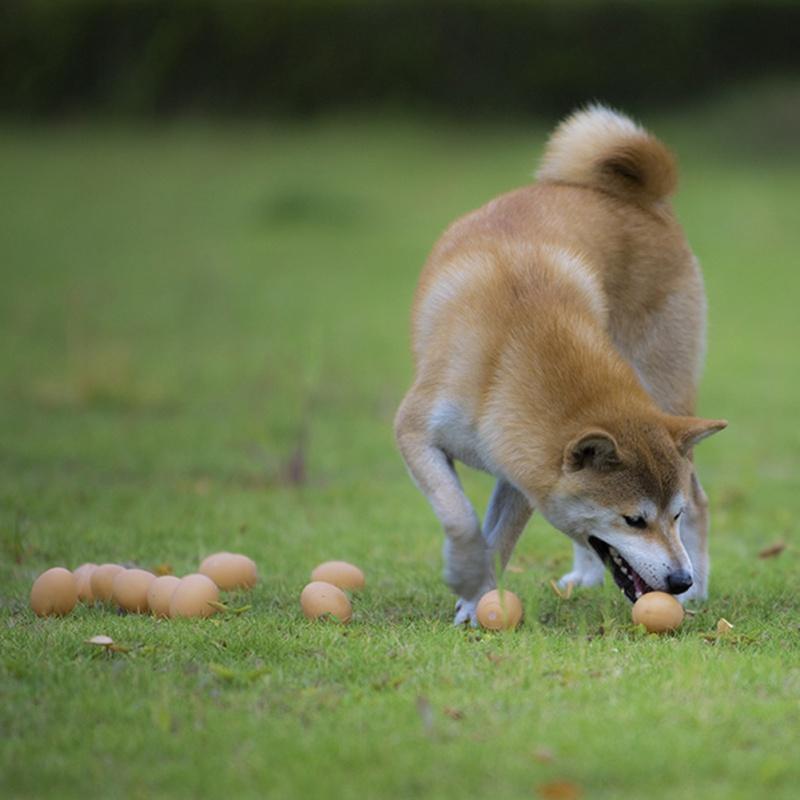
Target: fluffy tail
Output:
{"points": [[602, 149]]}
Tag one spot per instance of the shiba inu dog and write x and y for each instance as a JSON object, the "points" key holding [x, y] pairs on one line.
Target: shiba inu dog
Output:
{"points": [[558, 337]]}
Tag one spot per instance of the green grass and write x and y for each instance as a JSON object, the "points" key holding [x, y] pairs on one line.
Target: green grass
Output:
{"points": [[202, 343]]}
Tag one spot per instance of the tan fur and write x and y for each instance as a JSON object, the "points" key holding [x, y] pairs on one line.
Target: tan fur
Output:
{"points": [[570, 305]]}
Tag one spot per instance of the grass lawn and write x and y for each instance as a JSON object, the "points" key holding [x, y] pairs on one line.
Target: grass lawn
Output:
{"points": [[203, 339]]}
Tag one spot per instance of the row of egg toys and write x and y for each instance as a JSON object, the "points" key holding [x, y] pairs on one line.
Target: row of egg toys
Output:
{"points": [[497, 610], [57, 591], [325, 597]]}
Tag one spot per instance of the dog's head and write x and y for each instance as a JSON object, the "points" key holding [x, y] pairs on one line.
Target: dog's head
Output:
{"points": [[623, 492]]}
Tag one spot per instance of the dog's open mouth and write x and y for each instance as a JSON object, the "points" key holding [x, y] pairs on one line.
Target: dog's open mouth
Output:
{"points": [[625, 576]]}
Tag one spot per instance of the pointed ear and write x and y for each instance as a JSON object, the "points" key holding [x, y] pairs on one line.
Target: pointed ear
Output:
{"points": [[689, 431], [592, 448]]}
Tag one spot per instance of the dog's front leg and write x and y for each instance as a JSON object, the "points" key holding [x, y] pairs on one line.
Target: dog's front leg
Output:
{"points": [[506, 517], [467, 563], [587, 568]]}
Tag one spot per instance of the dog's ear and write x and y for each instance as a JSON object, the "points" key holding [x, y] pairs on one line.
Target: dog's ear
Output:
{"points": [[689, 431], [594, 448]]}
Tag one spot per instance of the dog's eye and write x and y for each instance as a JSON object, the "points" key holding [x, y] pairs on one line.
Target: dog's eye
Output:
{"points": [[635, 522], [678, 514]]}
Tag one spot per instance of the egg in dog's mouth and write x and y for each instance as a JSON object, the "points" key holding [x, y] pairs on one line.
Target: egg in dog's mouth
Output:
{"points": [[632, 584]]}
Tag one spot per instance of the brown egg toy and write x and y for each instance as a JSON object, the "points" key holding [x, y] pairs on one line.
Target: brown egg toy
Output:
{"points": [[83, 577], [320, 599], [54, 592], [129, 589], [658, 612], [339, 573], [498, 614], [159, 594], [230, 570], [101, 581], [193, 597]]}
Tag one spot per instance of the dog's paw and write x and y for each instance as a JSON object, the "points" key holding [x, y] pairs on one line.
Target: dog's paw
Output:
{"points": [[585, 578], [466, 612]]}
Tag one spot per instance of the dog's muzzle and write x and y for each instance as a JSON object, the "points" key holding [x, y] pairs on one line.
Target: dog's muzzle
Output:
{"points": [[625, 576]]}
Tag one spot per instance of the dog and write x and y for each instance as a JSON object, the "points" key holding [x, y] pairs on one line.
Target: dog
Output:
{"points": [[558, 335]]}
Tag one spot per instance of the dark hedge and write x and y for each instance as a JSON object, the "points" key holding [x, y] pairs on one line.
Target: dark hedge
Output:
{"points": [[466, 58]]}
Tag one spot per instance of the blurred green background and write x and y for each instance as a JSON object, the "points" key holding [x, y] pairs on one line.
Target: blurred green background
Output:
{"points": [[213, 216]]}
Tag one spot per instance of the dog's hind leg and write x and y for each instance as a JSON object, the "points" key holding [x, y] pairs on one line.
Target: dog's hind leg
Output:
{"points": [[506, 517], [694, 534], [587, 568]]}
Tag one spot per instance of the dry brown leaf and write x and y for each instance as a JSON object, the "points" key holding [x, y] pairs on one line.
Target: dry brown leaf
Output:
{"points": [[564, 594], [453, 713], [560, 790], [773, 550], [724, 627]]}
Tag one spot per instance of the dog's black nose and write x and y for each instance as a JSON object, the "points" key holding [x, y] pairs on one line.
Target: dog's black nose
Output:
{"points": [[679, 581]]}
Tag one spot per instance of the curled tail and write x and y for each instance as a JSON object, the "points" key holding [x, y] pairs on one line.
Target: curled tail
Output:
{"points": [[602, 149]]}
